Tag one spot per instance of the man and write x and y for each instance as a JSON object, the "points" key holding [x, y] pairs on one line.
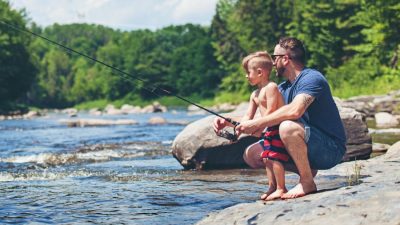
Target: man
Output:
{"points": [[310, 125]]}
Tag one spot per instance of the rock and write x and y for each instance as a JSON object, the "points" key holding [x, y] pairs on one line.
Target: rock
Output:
{"points": [[111, 110], [225, 107], [157, 120], [95, 112], [147, 109], [375, 200], [72, 112], [96, 122], [31, 115], [197, 146], [108, 107], [129, 109], [359, 142], [159, 108], [194, 110], [362, 104], [369, 105], [379, 147], [393, 131], [179, 122], [155, 107], [366, 108], [385, 120], [386, 103], [393, 153]]}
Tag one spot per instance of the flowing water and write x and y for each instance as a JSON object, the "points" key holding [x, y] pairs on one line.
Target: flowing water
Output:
{"points": [[50, 173]]}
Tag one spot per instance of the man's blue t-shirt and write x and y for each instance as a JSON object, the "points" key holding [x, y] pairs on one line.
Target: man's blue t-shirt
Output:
{"points": [[323, 112]]}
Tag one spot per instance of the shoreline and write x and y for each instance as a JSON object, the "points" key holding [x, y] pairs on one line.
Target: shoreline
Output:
{"points": [[376, 200]]}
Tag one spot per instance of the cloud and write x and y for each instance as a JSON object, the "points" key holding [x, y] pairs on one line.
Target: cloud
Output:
{"points": [[194, 10], [121, 14]]}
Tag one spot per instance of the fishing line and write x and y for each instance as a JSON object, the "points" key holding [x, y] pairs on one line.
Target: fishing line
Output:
{"points": [[124, 74]]}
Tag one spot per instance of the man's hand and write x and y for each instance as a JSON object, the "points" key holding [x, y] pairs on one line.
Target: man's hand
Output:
{"points": [[247, 127], [219, 124]]}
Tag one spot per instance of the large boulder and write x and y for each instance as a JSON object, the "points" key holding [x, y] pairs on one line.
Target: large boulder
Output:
{"points": [[359, 142], [198, 147]]}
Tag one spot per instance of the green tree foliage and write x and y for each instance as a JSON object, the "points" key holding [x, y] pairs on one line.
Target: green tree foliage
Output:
{"points": [[177, 58], [373, 68], [354, 42], [244, 26], [327, 29], [61, 72], [17, 71]]}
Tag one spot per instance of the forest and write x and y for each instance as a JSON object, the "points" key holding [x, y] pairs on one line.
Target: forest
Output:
{"points": [[354, 43]]}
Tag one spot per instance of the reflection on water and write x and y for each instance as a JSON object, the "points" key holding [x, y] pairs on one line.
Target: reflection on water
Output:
{"points": [[122, 174]]}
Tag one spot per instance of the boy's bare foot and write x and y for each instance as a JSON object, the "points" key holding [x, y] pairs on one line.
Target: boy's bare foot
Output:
{"points": [[266, 194], [300, 190], [276, 194]]}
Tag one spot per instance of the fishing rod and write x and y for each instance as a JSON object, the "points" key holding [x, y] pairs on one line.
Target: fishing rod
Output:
{"points": [[129, 76]]}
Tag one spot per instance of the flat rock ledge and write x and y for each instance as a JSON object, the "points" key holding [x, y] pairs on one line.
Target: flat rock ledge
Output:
{"points": [[375, 201]]}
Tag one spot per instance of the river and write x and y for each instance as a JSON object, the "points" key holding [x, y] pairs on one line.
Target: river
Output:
{"points": [[51, 173], [125, 174]]}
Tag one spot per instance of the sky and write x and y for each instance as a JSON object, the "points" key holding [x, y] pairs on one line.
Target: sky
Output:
{"points": [[119, 14]]}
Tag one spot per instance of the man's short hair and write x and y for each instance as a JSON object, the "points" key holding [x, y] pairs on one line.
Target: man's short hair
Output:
{"points": [[294, 48], [259, 59]]}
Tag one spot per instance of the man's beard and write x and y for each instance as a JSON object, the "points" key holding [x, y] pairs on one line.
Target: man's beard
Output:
{"points": [[280, 71]]}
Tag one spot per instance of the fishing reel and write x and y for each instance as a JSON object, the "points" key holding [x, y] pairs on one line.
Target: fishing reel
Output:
{"points": [[227, 135]]}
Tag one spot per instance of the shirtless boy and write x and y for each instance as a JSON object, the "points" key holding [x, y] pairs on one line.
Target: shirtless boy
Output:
{"points": [[267, 99]]}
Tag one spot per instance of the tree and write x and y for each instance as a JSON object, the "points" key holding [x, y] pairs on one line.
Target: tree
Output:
{"points": [[244, 26], [17, 71], [326, 28]]}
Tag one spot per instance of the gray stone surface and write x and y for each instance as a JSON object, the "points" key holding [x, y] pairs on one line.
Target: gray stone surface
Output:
{"points": [[385, 120], [369, 105], [376, 200], [197, 146]]}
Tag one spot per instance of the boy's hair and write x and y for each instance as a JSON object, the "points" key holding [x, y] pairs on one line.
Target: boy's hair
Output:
{"points": [[294, 48], [259, 59]]}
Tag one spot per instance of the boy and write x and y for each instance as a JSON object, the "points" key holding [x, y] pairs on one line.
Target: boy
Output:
{"points": [[267, 99]]}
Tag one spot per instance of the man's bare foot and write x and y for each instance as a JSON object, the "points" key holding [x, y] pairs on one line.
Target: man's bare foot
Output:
{"points": [[276, 194], [266, 194], [300, 190]]}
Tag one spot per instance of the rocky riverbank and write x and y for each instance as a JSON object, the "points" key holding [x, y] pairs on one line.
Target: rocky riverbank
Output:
{"points": [[375, 200], [371, 195], [72, 112]]}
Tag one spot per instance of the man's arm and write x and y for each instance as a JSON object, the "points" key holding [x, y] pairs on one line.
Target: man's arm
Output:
{"points": [[292, 111]]}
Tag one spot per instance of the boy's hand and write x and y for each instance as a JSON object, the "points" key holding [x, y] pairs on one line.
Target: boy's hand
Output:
{"points": [[219, 124]]}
